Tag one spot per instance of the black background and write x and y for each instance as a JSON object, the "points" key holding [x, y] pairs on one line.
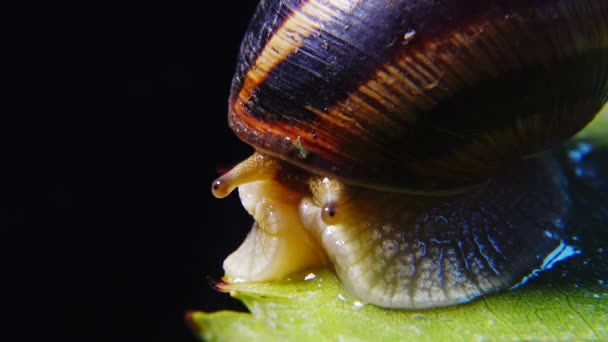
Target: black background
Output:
{"points": [[114, 127]]}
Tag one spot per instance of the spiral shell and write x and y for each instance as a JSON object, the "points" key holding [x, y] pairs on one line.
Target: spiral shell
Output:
{"points": [[418, 94]]}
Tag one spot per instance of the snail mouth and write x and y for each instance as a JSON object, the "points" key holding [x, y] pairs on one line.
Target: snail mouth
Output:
{"points": [[277, 244]]}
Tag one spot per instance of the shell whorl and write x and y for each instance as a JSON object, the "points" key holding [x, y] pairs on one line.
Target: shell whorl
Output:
{"points": [[414, 95]]}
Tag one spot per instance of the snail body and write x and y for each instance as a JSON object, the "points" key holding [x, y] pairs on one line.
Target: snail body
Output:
{"points": [[401, 142]]}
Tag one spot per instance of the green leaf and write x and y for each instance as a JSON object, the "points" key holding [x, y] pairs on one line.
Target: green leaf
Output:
{"points": [[597, 130], [568, 302], [320, 309]]}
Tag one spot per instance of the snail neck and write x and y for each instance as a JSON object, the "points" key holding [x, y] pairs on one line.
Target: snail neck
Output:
{"points": [[261, 166], [434, 192]]}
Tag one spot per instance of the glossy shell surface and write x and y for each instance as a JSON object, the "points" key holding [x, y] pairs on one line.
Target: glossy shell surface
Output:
{"points": [[412, 94]]}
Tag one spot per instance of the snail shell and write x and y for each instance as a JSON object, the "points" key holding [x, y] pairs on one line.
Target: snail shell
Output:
{"points": [[398, 141]]}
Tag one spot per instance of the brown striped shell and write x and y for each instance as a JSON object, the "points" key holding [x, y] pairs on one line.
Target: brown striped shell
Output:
{"points": [[418, 95]]}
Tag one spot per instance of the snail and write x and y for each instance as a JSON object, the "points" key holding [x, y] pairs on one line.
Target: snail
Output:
{"points": [[406, 144]]}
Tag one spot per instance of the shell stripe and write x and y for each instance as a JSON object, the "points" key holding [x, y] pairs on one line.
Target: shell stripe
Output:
{"points": [[301, 23]]}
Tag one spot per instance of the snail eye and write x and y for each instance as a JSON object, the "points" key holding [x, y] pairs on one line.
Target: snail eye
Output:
{"points": [[329, 214]]}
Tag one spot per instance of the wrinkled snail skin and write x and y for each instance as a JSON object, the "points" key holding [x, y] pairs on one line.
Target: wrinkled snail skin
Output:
{"points": [[402, 142], [396, 251]]}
